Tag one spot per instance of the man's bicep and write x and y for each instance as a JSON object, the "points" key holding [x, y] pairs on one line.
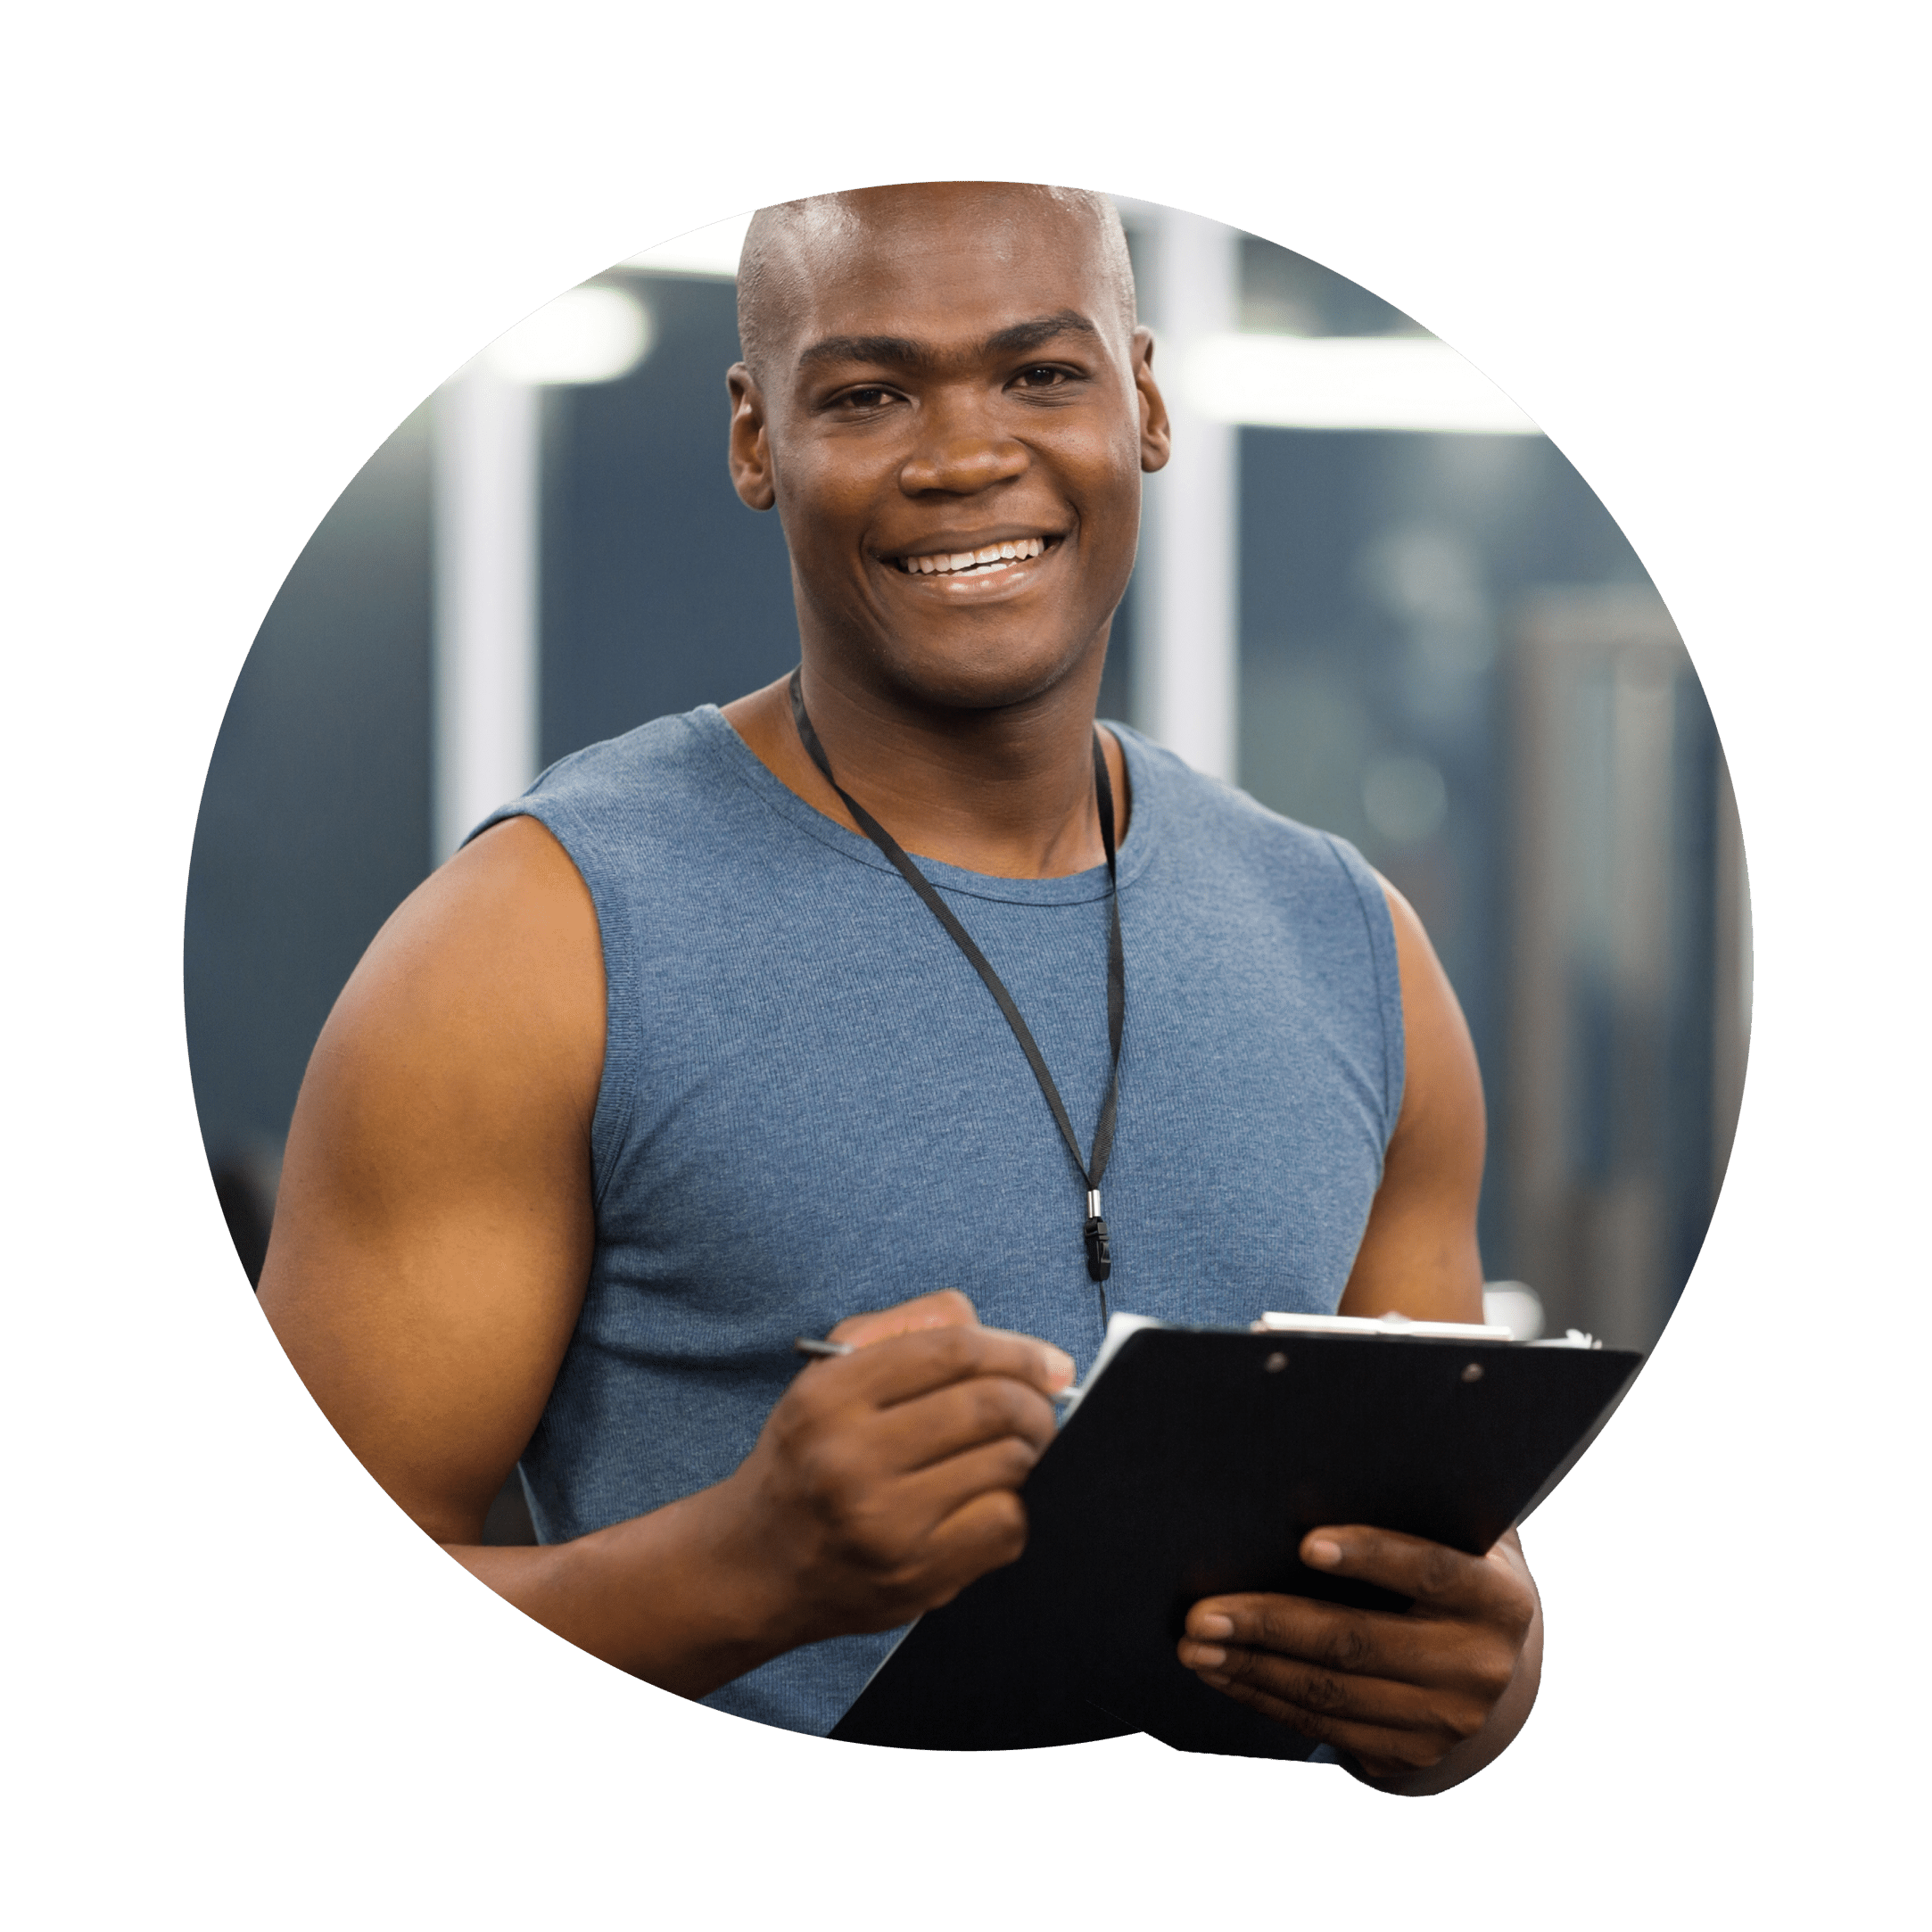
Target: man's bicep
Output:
{"points": [[1419, 1254], [433, 1229]]}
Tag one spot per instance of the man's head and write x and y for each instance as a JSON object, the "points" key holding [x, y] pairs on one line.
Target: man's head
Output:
{"points": [[939, 370]]}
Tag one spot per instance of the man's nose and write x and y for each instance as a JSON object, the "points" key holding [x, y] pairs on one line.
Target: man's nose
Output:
{"points": [[959, 457]]}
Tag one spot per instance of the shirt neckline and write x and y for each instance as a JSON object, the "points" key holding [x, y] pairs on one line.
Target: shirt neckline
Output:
{"points": [[716, 731]]}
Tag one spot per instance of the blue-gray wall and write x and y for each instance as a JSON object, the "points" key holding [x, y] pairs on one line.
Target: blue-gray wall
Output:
{"points": [[314, 818]]}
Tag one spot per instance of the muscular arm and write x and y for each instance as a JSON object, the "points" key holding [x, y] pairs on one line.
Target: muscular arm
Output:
{"points": [[1418, 1253], [1421, 1702], [434, 1231], [434, 1228], [432, 1244]]}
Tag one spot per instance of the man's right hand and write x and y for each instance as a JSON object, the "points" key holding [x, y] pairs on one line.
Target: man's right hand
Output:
{"points": [[885, 1481]]}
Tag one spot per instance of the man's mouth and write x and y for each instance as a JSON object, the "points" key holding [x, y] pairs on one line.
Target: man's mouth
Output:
{"points": [[983, 562]]}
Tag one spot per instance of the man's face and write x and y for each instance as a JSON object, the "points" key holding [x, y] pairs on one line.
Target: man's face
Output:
{"points": [[952, 421]]}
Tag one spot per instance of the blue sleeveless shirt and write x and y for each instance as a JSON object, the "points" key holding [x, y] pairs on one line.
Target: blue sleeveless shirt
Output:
{"points": [[811, 1106]]}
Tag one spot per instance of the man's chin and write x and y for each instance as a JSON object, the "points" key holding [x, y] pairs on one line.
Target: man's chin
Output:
{"points": [[983, 674]]}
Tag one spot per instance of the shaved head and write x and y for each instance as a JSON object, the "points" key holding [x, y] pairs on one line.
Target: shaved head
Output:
{"points": [[785, 243]]}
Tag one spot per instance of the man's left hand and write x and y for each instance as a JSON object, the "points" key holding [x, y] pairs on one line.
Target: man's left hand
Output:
{"points": [[1396, 1693]]}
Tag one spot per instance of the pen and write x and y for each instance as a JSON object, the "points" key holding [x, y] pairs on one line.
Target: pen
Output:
{"points": [[811, 1345]]}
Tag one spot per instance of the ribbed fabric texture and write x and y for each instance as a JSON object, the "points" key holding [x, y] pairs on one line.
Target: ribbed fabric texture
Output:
{"points": [[811, 1106]]}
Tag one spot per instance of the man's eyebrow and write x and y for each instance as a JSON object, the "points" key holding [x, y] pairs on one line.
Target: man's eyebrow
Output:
{"points": [[900, 351], [1021, 336]]}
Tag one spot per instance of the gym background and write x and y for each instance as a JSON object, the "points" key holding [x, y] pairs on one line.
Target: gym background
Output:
{"points": [[1369, 593]]}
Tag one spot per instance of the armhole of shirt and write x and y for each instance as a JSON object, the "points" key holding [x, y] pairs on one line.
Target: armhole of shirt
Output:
{"points": [[617, 1087], [1379, 924]]}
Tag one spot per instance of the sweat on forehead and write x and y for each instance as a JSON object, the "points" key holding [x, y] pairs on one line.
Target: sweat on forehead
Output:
{"points": [[784, 242]]}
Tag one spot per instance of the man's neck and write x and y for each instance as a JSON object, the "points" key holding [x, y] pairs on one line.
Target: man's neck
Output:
{"points": [[1008, 793]]}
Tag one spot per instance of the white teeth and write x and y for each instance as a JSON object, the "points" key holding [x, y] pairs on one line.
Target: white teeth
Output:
{"points": [[992, 556]]}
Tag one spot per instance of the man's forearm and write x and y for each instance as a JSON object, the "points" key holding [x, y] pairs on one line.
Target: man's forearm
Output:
{"points": [[659, 1596], [884, 1481]]}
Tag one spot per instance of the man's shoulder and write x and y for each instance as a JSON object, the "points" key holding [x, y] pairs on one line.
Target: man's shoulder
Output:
{"points": [[652, 767], [672, 789], [1214, 823], [662, 824]]}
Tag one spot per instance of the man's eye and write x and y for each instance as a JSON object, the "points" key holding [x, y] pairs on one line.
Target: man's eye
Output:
{"points": [[873, 397], [1042, 376]]}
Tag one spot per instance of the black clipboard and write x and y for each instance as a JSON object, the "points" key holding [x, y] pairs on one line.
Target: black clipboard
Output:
{"points": [[1194, 1465]]}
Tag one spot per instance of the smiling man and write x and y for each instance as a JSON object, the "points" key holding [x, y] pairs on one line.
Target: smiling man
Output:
{"points": [[683, 1057]]}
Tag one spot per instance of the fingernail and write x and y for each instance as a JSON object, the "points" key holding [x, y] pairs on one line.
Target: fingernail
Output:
{"points": [[1059, 1368], [1206, 1657], [1214, 1624], [1219, 1683], [1321, 1554]]}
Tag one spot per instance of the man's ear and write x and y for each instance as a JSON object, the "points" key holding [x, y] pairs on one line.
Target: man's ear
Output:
{"points": [[1156, 443], [750, 447]]}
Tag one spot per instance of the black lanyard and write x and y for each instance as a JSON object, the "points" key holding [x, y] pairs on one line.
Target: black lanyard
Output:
{"points": [[1099, 1255]]}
